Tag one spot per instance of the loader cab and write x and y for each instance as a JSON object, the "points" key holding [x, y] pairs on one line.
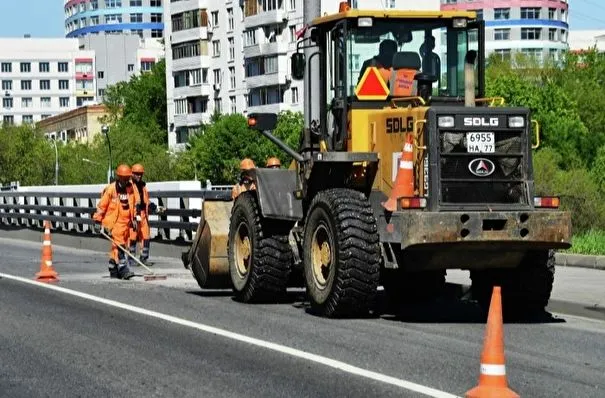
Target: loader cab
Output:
{"points": [[416, 54]]}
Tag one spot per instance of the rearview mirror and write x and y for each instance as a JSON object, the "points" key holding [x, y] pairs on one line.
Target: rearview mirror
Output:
{"points": [[262, 121], [297, 63]]}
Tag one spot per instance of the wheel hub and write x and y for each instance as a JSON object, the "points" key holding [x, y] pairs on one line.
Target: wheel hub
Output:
{"points": [[243, 250], [321, 256]]}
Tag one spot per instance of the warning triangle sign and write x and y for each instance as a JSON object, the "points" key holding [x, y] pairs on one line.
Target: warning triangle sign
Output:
{"points": [[371, 86]]}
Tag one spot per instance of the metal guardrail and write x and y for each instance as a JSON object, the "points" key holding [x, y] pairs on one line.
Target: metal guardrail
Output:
{"points": [[72, 211]]}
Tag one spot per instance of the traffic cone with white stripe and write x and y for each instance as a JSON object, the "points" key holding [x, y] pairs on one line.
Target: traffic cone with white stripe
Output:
{"points": [[492, 378], [404, 182], [47, 271]]}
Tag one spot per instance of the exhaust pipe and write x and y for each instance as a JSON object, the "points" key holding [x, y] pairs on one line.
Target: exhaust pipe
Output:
{"points": [[469, 78]]}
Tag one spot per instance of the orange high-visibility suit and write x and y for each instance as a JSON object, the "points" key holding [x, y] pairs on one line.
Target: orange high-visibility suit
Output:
{"points": [[143, 232], [116, 212]]}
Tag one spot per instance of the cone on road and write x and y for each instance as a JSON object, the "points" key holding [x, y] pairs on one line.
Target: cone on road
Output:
{"points": [[47, 271], [404, 182], [492, 378]]}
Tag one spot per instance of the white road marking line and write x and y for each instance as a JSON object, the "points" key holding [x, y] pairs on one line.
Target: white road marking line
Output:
{"points": [[250, 340]]}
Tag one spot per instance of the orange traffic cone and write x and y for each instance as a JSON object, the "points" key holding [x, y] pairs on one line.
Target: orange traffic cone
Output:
{"points": [[492, 378], [404, 182], [47, 272]]}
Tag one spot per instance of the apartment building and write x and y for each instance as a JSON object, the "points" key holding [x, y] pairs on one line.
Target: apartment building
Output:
{"points": [[44, 77], [143, 18], [538, 28], [234, 57], [120, 56]]}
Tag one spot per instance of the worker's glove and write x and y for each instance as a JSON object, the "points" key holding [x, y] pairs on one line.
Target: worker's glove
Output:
{"points": [[135, 223], [153, 208], [96, 227]]}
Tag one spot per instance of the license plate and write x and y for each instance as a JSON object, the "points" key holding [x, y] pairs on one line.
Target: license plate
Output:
{"points": [[480, 142]]}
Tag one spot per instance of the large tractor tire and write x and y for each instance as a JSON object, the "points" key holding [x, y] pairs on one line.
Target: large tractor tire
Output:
{"points": [[260, 256], [341, 254], [525, 290]]}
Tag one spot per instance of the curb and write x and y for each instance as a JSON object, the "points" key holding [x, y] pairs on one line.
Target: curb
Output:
{"points": [[580, 261]]}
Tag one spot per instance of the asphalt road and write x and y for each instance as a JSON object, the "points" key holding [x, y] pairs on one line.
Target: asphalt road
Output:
{"points": [[156, 339]]}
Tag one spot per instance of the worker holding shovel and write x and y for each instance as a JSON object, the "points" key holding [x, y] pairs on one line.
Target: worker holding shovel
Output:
{"points": [[115, 215]]}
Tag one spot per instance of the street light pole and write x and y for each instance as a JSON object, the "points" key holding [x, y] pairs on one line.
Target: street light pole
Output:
{"points": [[105, 130], [54, 141]]}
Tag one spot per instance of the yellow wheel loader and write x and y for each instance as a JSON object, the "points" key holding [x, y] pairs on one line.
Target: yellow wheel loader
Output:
{"points": [[404, 170]]}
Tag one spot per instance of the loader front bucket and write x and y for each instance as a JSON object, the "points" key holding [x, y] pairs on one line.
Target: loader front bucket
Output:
{"points": [[207, 257]]}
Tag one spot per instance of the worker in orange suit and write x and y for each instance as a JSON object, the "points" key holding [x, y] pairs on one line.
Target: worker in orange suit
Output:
{"points": [[116, 215], [143, 209], [273, 163], [246, 183]]}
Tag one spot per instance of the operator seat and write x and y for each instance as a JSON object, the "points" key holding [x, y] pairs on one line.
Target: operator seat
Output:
{"points": [[406, 64]]}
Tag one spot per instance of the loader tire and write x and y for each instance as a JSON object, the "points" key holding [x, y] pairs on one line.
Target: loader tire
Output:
{"points": [[525, 290], [341, 254], [260, 257]]}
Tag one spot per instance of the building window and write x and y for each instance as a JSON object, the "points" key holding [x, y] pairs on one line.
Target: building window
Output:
{"points": [[44, 67], [8, 119], [180, 107], [101, 92], [28, 119], [63, 84], [64, 102], [26, 67], [136, 3], [232, 78], [156, 18], [249, 38], [292, 30], [217, 76], [552, 12], [146, 66], [137, 32], [218, 105], [186, 50], [531, 33], [157, 33], [231, 49], [7, 84], [26, 102], [214, 18], [196, 77], [230, 18], [45, 116], [552, 34], [130, 67], [501, 13], [134, 18], [7, 103], [113, 3], [295, 95], [216, 48], [112, 18], [26, 85], [45, 102], [233, 104], [7, 67], [63, 67], [156, 3], [44, 84], [530, 12], [101, 74], [501, 34]]}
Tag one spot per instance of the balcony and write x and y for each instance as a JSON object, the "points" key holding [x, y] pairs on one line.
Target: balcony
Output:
{"points": [[189, 34], [187, 5], [280, 78], [191, 119], [191, 63], [268, 49], [204, 90], [266, 18], [269, 108]]}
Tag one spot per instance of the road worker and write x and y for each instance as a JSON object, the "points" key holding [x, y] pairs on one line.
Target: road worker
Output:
{"points": [[273, 163], [143, 209], [245, 183], [116, 216]]}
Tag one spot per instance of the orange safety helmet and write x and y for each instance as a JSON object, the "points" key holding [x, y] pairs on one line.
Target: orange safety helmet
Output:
{"points": [[273, 162], [138, 168], [246, 164], [124, 171]]}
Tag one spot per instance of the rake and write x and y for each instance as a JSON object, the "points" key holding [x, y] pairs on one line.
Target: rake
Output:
{"points": [[152, 276]]}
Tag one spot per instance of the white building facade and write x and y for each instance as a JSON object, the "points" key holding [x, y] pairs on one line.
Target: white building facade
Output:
{"points": [[234, 57], [44, 77]]}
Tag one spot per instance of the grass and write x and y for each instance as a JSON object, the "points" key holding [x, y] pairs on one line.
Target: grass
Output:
{"points": [[591, 242]]}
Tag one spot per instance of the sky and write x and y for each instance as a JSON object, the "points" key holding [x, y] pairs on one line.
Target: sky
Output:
{"points": [[45, 18]]}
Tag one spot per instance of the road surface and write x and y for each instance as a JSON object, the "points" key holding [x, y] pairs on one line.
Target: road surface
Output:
{"points": [[91, 336]]}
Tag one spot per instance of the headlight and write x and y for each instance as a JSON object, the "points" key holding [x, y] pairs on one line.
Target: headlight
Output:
{"points": [[516, 122], [445, 121]]}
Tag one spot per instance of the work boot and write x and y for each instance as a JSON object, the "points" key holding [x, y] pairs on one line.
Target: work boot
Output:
{"points": [[113, 269], [125, 273], [146, 261]]}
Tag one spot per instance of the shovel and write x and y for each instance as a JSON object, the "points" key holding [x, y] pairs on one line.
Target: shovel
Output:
{"points": [[152, 276]]}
